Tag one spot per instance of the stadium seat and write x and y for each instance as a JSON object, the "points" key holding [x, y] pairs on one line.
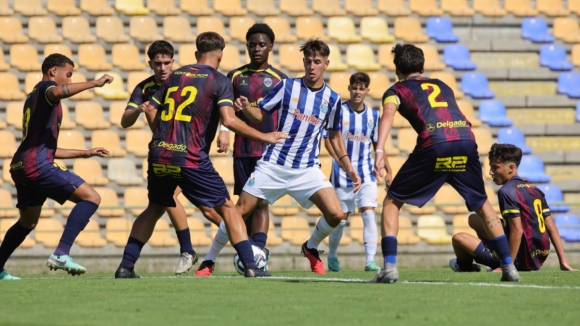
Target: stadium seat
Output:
{"points": [[513, 136], [273, 238], [96, 7], [567, 29], [379, 81], [491, 194], [72, 139], [198, 232], [295, 8], [63, 7], [406, 140], [450, 201], [493, 112], [328, 8], [554, 197], [290, 57], [262, 8], [186, 54], [483, 139], [312, 211], [457, 56], [285, 206], [137, 142], [385, 57], [532, 168], [116, 110], [400, 122], [123, 172], [239, 27], [568, 226], [91, 171], [393, 8], [43, 30], [281, 28], [339, 81], [475, 85], [520, 8], [457, 8], [342, 30], [461, 224], [406, 234], [356, 226], [144, 29], [231, 59], [135, 200], [578, 112], [127, 57], [326, 165], [212, 24], [552, 8], [93, 57], [57, 48], [8, 144], [553, 56], [224, 166], [441, 30], [3, 65], [135, 77], [109, 203], [431, 56], [10, 88], [163, 7], [295, 229], [187, 205], [29, 7], [425, 8], [448, 79], [568, 83], [432, 229], [24, 57], [467, 109], [117, 231], [229, 8], [6, 173], [12, 31], [110, 29], [89, 115], [48, 232], [308, 27], [375, 30], [536, 30], [108, 139], [6, 224], [113, 91], [7, 207], [361, 57], [409, 30], [335, 58], [489, 8], [344, 241], [177, 29], [131, 7], [5, 10], [66, 122], [575, 55], [31, 79], [574, 6], [360, 8], [77, 30], [91, 237], [196, 7]]}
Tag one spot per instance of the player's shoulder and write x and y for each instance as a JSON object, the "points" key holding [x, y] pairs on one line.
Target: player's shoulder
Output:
{"points": [[275, 73], [147, 82], [237, 71], [44, 84], [509, 188]]}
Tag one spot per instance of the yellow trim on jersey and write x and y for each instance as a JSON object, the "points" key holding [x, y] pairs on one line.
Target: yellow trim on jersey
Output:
{"points": [[149, 84], [46, 97], [156, 100], [225, 100], [546, 210], [392, 99], [271, 72], [133, 105], [238, 73], [510, 211]]}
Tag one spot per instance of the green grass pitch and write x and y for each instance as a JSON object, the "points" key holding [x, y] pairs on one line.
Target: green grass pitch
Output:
{"points": [[434, 296]]}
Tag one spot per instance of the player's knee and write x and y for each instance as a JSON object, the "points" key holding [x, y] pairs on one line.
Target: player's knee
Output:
{"points": [[458, 238], [92, 196]]}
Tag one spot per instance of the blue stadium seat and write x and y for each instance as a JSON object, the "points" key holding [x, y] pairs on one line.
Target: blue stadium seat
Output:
{"points": [[513, 136], [493, 112], [458, 57], [568, 226], [578, 111], [553, 56], [569, 84], [532, 169], [441, 29], [475, 85], [536, 30], [554, 198]]}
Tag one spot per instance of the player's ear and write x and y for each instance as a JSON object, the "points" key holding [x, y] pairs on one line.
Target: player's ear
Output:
{"points": [[52, 72], [150, 63]]}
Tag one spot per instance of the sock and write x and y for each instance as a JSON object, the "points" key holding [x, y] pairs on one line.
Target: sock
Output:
{"points": [[218, 243], [131, 253], [370, 234], [334, 239], [389, 246], [77, 220], [503, 250], [245, 252], [321, 231], [465, 265], [184, 238], [259, 239], [13, 238]]}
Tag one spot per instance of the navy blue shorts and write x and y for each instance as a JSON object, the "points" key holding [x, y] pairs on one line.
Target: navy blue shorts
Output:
{"points": [[488, 256], [54, 182], [201, 186], [427, 169], [243, 168]]}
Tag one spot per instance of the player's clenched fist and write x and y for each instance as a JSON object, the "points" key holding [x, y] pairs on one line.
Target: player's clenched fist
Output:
{"points": [[241, 103], [105, 79], [276, 137]]}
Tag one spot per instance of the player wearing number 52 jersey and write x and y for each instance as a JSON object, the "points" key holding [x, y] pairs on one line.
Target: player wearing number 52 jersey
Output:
{"points": [[445, 152]]}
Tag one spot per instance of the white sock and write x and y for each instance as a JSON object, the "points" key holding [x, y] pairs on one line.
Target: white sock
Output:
{"points": [[334, 238], [321, 231], [218, 243], [370, 234]]}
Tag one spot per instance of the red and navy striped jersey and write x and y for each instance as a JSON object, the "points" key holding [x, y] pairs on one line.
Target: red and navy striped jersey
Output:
{"points": [[520, 198], [254, 85], [41, 125], [143, 92], [430, 107], [188, 104]]}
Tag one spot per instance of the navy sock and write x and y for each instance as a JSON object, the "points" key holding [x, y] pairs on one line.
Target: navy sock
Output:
{"points": [[465, 265], [184, 238], [76, 222], [131, 253], [503, 249], [259, 239], [13, 238], [389, 247], [245, 252]]}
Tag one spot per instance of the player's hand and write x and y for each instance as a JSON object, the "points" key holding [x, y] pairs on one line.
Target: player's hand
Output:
{"points": [[565, 267], [355, 178], [241, 103], [97, 151], [143, 106], [275, 137], [105, 79], [379, 166], [223, 141]]}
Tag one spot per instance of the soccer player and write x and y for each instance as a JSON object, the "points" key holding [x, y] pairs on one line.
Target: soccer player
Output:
{"points": [[529, 225], [305, 106], [188, 104], [35, 174], [253, 81], [445, 152], [360, 133], [160, 55]]}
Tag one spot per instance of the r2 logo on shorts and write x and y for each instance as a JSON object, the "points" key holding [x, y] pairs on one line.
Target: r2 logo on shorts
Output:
{"points": [[451, 164], [162, 170]]}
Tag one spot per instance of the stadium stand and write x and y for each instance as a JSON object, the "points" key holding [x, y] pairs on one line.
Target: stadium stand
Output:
{"points": [[262, 8], [5, 9], [458, 57], [532, 168], [552, 8], [393, 8], [493, 112], [342, 29], [229, 7], [513, 136], [31, 79], [520, 8], [24, 57], [29, 7], [281, 28], [96, 7], [91, 236], [117, 231], [48, 231], [574, 6], [43, 30], [360, 8], [441, 30], [446, 197], [77, 30], [409, 30], [177, 29], [93, 57], [109, 203], [568, 226], [458, 8], [12, 31], [123, 172], [8, 142], [425, 8], [484, 139], [553, 56], [91, 171], [239, 26], [89, 115], [214, 24], [108, 139], [144, 29], [475, 85], [432, 229], [554, 198], [361, 57], [284, 206], [295, 229], [131, 7], [535, 29], [110, 29], [448, 79], [196, 7], [468, 111], [569, 84], [163, 7], [461, 224], [295, 8], [6, 223], [431, 54], [7, 209], [567, 29]]}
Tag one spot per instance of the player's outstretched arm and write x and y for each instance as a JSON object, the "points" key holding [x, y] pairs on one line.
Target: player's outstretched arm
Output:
{"points": [[55, 94], [557, 242], [337, 144], [130, 116], [229, 119], [385, 126], [516, 233], [255, 114], [64, 153]]}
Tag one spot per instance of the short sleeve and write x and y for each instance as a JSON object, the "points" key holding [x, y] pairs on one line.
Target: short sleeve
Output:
{"points": [[274, 98], [508, 203], [545, 207], [390, 96], [224, 92], [158, 98], [335, 116], [136, 98], [44, 87]]}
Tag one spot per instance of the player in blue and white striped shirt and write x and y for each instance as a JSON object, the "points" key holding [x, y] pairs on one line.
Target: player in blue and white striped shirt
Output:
{"points": [[305, 106], [360, 134]]}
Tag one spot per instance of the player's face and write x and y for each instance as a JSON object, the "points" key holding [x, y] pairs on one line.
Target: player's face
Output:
{"points": [[62, 75], [161, 65], [259, 47], [358, 92], [314, 66], [500, 172]]}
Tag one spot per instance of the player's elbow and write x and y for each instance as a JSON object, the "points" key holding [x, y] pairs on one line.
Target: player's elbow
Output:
{"points": [[125, 124], [229, 123]]}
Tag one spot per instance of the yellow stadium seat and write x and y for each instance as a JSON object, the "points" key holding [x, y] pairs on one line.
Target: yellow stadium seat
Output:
{"points": [[461, 224], [393, 8], [77, 30], [433, 230], [229, 8], [91, 236], [457, 8], [281, 28], [108, 139], [12, 31], [239, 27], [552, 8], [127, 57], [93, 57], [131, 7], [431, 55], [43, 30], [385, 56], [360, 8], [187, 205], [91, 171], [425, 8], [224, 166], [177, 29], [24, 57], [198, 232], [196, 7], [7, 207], [290, 57], [9, 87], [312, 211], [3, 65], [328, 8], [575, 55], [486, 168], [361, 57], [29, 7], [144, 29], [484, 140], [400, 122], [31, 79], [71, 139], [448, 79], [574, 6], [273, 238], [118, 230], [295, 8], [284, 206], [110, 29], [409, 30], [6, 224], [295, 229], [567, 29], [186, 54], [231, 58], [262, 7], [5, 10], [66, 122], [335, 58], [6, 173], [116, 110], [137, 141], [310, 27], [339, 81], [406, 234], [520, 8], [135, 200], [48, 232], [161, 236], [492, 196], [113, 91], [469, 113], [342, 30], [375, 30], [379, 82], [163, 7], [406, 139], [63, 7], [356, 226], [79, 77], [212, 24], [390, 149], [90, 115], [447, 199], [135, 77], [490, 8], [109, 203], [96, 7], [344, 241], [326, 165], [57, 48]]}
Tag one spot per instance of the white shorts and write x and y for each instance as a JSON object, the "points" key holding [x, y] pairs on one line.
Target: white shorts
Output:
{"points": [[271, 182], [366, 196]]}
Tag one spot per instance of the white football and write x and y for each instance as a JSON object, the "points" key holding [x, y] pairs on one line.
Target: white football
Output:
{"points": [[259, 258]]}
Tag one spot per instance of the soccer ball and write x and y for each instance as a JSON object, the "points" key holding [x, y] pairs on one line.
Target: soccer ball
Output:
{"points": [[259, 258]]}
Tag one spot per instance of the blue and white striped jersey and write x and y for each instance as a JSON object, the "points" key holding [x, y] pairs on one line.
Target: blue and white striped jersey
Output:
{"points": [[360, 131], [302, 115]]}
